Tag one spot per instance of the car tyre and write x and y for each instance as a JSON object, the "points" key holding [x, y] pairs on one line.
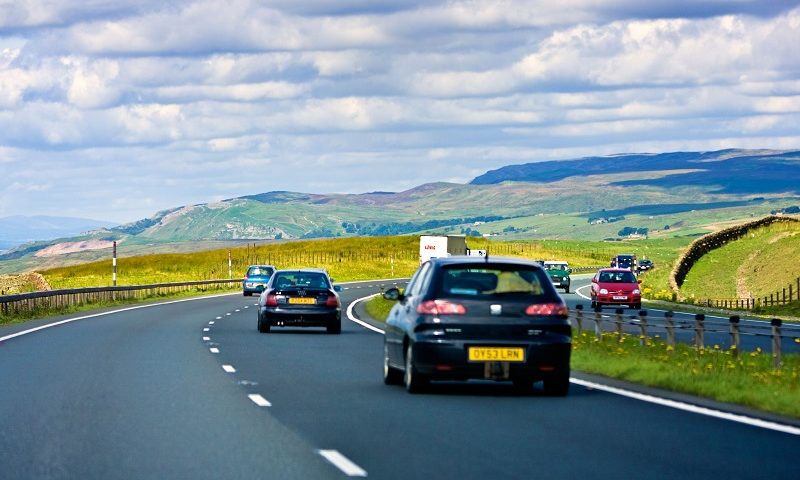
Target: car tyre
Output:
{"points": [[414, 381], [557, 385], [391, 375], [247, 294], [566, 289], [335, 328], [263, 325]]}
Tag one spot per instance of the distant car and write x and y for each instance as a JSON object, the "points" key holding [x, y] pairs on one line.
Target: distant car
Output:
{"points": [[256, 279], [627, 261], [463, 318], [645, 264], [615, 286], [559, 271], [300, 298]]}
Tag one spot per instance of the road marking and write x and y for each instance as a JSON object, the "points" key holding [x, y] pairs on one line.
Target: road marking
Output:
{"points": [[227, 314], [137, 307], [211, 322], [355, 320], [343, 463], [237, 310], [229, 368], [259, 400], [247, 306], [219, 318], [205, 339], [213, 350], [687, 407], [206, 329]]}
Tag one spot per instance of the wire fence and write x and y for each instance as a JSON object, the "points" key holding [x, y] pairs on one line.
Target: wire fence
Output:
{"points": [[785, 296]]}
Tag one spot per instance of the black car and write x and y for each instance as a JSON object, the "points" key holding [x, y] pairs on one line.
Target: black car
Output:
{"points": [[645, 264], [466, 318], [300, 298]]}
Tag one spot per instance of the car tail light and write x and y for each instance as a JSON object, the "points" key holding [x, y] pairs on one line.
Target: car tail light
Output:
{"points": [[272, 300], [332, 301], [440, 307], [547, 309]]}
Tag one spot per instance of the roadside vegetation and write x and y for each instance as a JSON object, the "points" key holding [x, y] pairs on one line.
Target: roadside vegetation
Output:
{"points": [[755, 266], [748, 379]]}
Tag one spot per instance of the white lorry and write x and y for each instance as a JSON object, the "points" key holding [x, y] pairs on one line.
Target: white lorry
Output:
{"points": [[435, 246]]}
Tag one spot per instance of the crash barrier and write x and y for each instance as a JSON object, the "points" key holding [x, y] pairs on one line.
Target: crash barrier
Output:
{"points": [[712, 241], [789, 294], [61, 300], [644, 324]]}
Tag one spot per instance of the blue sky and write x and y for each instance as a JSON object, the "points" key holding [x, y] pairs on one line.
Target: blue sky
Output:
{"points": [[116, 109]]}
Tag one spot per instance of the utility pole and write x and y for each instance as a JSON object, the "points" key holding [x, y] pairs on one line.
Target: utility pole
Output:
{"points": [[114, 266], [230, 271]]}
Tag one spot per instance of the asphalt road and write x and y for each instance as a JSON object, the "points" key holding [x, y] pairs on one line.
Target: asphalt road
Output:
{"points": [[141, 394]]}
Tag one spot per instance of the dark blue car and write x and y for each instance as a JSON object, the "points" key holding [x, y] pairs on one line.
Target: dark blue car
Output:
{"points": [[256, 279]]}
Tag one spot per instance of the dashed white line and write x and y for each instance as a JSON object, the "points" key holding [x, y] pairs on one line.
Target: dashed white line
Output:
{"points": [[219, 318], [259, 400], [247, 306], [213, 350], [211, 322], [205, 339], [229, 368], [206, 329], [227, 314], [343, 463]]}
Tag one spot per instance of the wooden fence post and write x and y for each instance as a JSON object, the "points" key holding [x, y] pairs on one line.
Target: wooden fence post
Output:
{"points": [[618, 323], [598, 329], [699, 331], [579, 317], [776, 342], [670, 329], [643, 327], [735, 340]]}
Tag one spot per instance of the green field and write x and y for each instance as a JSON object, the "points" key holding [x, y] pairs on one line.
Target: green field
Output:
{"points": [[754, 266]]}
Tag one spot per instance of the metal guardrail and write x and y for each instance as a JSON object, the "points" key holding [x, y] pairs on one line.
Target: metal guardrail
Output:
{"points": [[55, 300], [645, 325]]}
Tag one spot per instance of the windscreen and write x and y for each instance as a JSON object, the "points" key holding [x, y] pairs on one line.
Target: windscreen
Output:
{"points": [[301, 280], [259, 271], [624, 262], [617, 277], [492, 281]]}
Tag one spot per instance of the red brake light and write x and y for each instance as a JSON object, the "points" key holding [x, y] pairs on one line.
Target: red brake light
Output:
{"points": [[332, 301], [272, 300], [547, 309], [440, 307]]}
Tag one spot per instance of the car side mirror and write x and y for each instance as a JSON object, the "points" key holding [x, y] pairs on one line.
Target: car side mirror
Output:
{"points": [[639, 280], [393, 294], [337, 288]]}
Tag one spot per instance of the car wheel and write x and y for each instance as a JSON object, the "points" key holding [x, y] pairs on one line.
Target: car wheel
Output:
{"points": [[594, 304], [391, 375], [557, 385], [247, 294], [335, 328], [263, 325], [413, 380], [566, 289]]}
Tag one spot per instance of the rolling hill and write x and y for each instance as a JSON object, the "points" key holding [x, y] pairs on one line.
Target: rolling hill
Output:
{"points": [[682, 193]]}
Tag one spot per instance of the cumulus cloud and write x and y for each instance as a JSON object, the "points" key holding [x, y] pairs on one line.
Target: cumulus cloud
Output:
{"points": [[360, 95]]}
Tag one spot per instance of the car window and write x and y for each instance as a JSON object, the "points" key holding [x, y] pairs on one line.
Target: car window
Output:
{"points": [[301, 280], [617, 277], [419, 280], [254, 271], [491, 281]]}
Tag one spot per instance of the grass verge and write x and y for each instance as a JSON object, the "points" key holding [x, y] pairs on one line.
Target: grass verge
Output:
{"points": [[748, 380]]}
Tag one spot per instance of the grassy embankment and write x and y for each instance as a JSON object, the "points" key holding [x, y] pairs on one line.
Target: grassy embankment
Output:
{"points": [[752, 267], [713, 373]]}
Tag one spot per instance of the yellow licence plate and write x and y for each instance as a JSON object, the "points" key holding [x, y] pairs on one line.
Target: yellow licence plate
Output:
{"points": [[496, 354], [303, 301]]}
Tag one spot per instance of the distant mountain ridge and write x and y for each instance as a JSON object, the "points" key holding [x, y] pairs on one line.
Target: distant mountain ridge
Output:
{"points": [[581, 198], [19, 229], [733, 171]]}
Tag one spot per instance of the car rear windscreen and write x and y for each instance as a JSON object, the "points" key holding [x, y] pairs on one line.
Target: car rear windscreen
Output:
{"points": [[301, 280], [259, 271], [491, 281]]}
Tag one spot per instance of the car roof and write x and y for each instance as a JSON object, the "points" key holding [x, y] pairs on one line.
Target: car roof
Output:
{"points": [[261, 266], [488, 260], [304, 270], [613, 270]]}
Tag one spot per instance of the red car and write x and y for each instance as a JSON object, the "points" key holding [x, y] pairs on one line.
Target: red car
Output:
{"points": [[616, 286]]}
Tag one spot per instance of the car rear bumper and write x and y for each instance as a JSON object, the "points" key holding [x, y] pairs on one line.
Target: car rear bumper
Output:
{"points": [[302, 318], [443, 360]]}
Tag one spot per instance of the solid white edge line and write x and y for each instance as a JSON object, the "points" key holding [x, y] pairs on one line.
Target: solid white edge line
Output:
{"points": [[137, 307], [687, 407], [259, 400], [353, 319], [343, 463], [229, 368]]}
